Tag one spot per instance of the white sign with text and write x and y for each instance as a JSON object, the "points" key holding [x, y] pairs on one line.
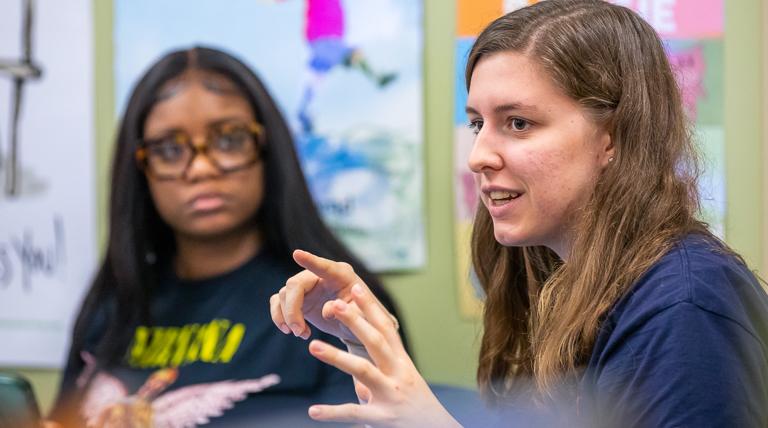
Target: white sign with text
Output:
{"points": [[47, 197]]}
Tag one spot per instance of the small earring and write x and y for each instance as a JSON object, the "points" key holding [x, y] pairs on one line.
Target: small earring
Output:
{"points": [[610, 159]]}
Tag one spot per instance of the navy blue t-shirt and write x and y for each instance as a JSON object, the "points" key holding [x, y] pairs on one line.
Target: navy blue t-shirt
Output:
{"points": [[688, 346]]}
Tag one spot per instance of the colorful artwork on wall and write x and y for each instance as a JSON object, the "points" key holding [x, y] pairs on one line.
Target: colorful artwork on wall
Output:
{"points": [[351, 91]]}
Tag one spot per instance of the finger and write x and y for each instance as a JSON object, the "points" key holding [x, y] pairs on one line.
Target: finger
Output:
{"points": [[349, 413], [338, 272], [277, 314], [358, 367], [327, 310], [308, 281], [295, 323], [377, 346], [377, 315], [362, 391], [292, 300]]}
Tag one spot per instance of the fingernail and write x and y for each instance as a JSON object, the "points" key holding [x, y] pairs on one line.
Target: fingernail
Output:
{"points": [[357, 289], [284, 328], [295, 329], [314, 411]]}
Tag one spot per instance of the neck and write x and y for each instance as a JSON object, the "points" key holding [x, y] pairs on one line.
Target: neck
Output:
{"points": [[198, 258], [562, 242], [563, 251]]}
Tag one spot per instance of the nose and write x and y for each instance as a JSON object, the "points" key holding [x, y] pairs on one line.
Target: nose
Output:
{"points": [[201, 166], [484, 155]]}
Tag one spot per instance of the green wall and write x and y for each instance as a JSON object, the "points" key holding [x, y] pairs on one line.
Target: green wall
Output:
{"points": [[744, 90], [445, 345]]}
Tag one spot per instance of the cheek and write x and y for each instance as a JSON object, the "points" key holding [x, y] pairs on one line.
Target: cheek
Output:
{"points": [[543, 170], [250, 187], [165, 197], [557, 179]]}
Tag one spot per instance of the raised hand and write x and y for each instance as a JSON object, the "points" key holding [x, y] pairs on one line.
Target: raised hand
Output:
{"points": [[392, 391], [307, 294]]}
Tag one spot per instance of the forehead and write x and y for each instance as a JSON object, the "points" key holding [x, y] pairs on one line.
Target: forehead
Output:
{"points": [[511, 78], [198, 96], [214, 82]]}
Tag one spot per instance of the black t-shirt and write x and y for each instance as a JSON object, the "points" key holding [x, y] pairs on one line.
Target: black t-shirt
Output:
{"points": [[210, 349]]}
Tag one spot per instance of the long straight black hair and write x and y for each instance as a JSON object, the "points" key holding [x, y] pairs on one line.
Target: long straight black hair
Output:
{"points": [[140, 241]]}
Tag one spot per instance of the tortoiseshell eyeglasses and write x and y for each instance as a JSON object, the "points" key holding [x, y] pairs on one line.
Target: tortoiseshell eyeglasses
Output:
{"points": [[229, 145]]}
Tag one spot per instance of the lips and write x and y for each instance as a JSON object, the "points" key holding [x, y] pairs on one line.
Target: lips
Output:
{"points": [[500, 195], [207, 202]]}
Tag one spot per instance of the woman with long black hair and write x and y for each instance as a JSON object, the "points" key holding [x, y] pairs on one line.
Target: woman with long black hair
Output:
{"points": [[207, 203]]}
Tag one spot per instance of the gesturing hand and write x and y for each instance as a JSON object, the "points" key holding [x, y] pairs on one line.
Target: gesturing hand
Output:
{"points": [[307, 294], [392, 391]]}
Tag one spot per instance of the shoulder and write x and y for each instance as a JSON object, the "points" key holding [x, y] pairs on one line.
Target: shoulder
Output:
{"points": [[697, 273], [687, 345], [696, 297]]}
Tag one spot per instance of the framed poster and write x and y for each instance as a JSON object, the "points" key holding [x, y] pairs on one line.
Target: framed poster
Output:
{"points": [[351, 91]]}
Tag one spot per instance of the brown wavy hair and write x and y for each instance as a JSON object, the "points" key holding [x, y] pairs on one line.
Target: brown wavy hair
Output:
{"points": [[542, 315]]}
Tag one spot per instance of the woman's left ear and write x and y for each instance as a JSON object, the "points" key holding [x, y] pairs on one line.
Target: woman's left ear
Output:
{"points": [[607, 150]]}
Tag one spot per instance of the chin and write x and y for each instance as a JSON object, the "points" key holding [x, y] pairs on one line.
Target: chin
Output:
{"points": [[508, 239], [515, 236], [210, 228]]}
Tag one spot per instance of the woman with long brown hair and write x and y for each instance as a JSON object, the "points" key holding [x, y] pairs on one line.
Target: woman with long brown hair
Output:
{"points": [[601, 284]]}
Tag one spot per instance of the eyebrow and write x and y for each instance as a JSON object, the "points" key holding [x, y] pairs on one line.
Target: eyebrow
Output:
{"points": [[208, 125], [504, 108]]}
